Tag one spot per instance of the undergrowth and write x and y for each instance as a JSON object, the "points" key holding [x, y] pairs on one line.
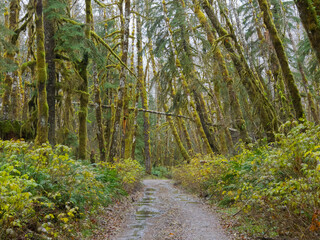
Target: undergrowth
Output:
{"points": [[161, 172], [273, 191], [45, 194]]}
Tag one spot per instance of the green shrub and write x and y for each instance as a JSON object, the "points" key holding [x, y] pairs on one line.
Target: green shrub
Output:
{"points": [[161, 171], [274, 187], [44, 192], [130, 172]]}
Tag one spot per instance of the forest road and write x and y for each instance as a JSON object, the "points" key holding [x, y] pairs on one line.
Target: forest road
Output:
{"points": [[166, 212]]}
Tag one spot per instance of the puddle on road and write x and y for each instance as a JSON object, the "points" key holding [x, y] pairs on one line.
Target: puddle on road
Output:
{"points": [[146, 209]]}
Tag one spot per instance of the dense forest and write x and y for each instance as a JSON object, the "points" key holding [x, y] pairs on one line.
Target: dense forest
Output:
{"points": [[225, 93]]}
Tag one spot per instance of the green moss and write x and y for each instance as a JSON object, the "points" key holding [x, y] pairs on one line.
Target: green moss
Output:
{"points": [[10, 129]]}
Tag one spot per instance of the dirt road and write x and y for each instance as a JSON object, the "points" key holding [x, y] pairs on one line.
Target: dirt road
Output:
{"points": [[166, 212]]}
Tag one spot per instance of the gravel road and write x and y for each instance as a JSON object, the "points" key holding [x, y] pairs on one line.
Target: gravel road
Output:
{"points": [[166, 212]]}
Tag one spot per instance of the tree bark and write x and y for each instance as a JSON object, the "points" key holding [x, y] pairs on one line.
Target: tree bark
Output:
{"points": [[144, 100], [84, 95], [10, 104], [100, 129], [114, 142], [42, 125], [49, 31]]}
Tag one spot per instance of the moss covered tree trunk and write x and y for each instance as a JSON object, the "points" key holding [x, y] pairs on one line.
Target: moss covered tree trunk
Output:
{"points": [[234, 102], [309, 13], [83, 88], [134, 96], [173, 128], [8, 79], [256, 94], [218, 138], [135, 124], [83, 111], [201, 125], [144, 100], [98, 110], [49, 31], [316, 4], [283, 60], [125, 39], [42, 125], [182, 123], [16, 88], [305, 83], [10, 99], [115, 141]]}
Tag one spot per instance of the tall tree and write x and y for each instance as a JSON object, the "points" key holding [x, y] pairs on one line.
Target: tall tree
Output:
{"points": [[309, 11], [42, 126], [256, 94], [10, 108], [144, 99], [283, 59], [125, 24], [49, 31], [83, 87]]}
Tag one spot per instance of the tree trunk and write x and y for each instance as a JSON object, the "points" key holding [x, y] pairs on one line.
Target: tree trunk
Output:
{"points": [[305, 83], [49, 31], [234, 102], [10, 104], [42, 126], [310, 20], [144, 100], [122, 89], [205, 133], [100, 130], [84, 95], [135, 124], [176, 136], [257, 97], [283, 60]]}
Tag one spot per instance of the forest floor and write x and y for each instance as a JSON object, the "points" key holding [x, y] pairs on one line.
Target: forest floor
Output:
{"points": [[164, 211]]}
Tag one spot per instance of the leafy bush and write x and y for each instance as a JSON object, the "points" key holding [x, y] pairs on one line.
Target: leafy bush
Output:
{"points": [[161, 171], [44, 192], [276, 188], [129, 171]]}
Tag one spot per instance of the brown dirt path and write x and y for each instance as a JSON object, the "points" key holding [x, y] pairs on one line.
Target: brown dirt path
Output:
{"points": [[166, 212]]}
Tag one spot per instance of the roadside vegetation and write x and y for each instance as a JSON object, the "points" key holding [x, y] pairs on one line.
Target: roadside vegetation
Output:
{"points": [[47, 194], [269, 190]]}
